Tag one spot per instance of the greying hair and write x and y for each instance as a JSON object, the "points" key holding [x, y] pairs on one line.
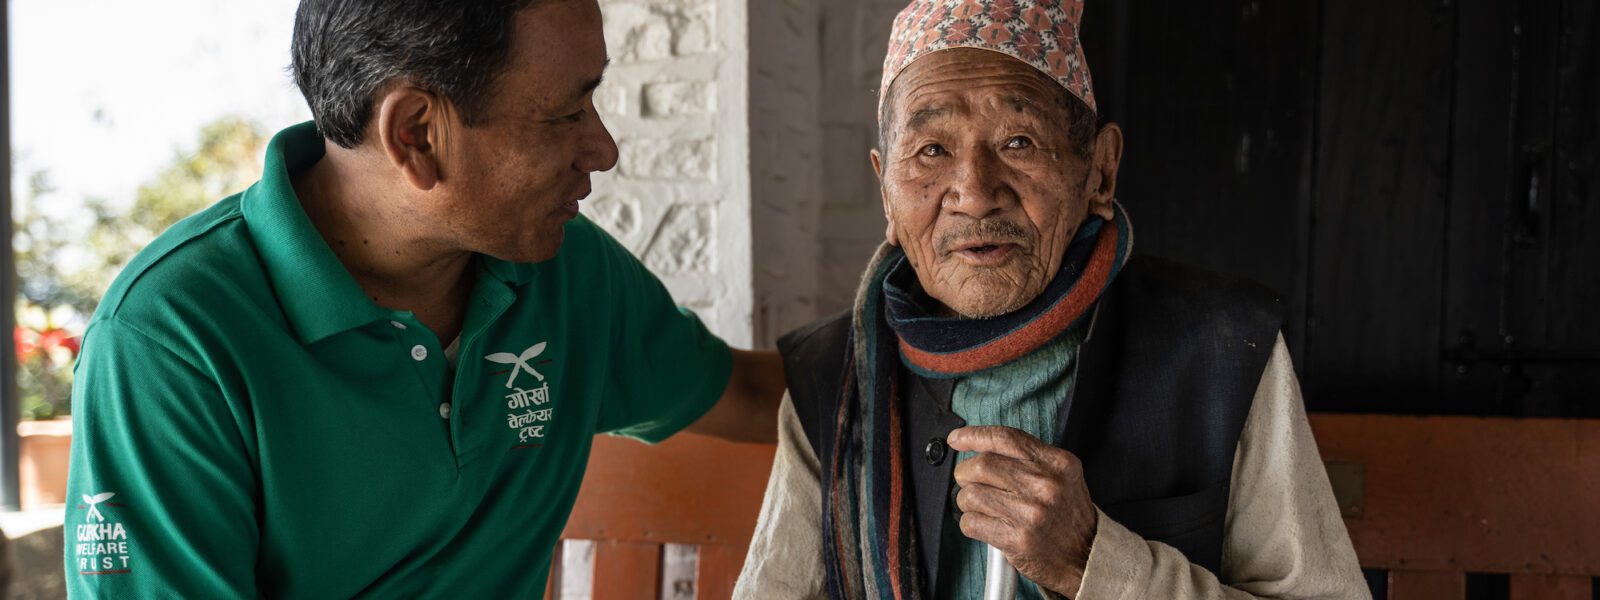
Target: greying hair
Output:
{"points": [[346, 51]]}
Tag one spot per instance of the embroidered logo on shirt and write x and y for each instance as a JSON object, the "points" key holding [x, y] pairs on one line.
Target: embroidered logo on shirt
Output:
{"points": [[527, 410], [102, 542]]}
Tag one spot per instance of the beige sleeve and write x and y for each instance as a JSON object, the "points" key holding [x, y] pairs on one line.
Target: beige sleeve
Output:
{"points": [[785, 558], [1284, 536]]}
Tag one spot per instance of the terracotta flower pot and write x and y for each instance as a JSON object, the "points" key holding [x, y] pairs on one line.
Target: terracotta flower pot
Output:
{"points": [[43, 451]]}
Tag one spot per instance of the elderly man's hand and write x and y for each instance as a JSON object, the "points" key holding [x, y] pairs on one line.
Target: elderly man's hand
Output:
{"points": [[1028, 499]]}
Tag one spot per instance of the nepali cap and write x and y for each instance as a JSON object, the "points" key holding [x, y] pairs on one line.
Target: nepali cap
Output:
{"points": [[1042, 33]]}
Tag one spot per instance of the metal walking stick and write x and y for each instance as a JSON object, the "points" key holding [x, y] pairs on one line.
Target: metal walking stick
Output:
{"points": [[999, 577]]}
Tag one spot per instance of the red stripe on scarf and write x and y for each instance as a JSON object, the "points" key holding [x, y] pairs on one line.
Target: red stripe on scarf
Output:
{"points": [[1050, 324], [896, 489]]}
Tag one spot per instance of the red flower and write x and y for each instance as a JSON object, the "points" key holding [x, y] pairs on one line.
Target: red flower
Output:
{"points": [[20, 336], [56, 337]]}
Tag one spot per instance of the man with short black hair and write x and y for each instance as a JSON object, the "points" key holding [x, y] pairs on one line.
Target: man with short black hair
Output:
{"points": [[378, 370]]}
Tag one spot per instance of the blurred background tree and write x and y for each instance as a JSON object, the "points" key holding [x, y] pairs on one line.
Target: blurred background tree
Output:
{"points": [[64, 265]]}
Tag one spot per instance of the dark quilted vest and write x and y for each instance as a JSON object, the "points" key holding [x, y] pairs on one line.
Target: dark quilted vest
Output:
{"points": [[1165, 381]]}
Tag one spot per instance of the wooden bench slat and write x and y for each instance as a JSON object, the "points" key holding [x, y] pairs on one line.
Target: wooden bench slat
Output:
{"points": [[1551, 587], [1469, 494], [690, 489], [719, 570], [1427, 585], [626, 570]]}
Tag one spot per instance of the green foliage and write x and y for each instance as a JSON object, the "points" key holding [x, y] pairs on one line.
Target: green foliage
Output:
{"points": [[227, 161], [63, 267]]}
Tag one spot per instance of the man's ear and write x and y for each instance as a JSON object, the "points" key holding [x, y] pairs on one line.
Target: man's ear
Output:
{"points": [[411, 123], [1105, 158], [888, 215]]}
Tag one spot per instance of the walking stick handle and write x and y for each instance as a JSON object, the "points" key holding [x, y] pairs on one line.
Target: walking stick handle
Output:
{"points": [[999, 577]]}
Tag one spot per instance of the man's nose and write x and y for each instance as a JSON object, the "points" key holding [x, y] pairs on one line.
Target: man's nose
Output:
{"points": [[599, 150], [979, 190]]}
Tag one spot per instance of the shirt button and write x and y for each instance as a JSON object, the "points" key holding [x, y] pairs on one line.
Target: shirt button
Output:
{"points": [[444, 410], [398, 325], [419, 352], [935, 451]]}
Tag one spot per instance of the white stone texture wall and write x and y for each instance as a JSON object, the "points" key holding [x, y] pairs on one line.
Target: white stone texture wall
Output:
{"points": [[855, 37], [675, 99]]}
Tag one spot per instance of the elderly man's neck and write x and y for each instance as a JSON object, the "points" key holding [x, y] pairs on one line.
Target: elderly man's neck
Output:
{"points": [[394, 256]]}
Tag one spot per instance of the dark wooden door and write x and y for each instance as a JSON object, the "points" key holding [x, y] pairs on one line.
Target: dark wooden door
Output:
{"points": [[1420, 178]]}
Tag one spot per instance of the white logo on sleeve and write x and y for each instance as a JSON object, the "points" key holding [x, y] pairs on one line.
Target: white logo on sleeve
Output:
{"points": [[102, 542], [94, 505], [527, 410]]}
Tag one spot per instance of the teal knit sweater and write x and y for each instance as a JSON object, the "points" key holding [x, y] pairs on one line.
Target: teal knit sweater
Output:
{"points": [[1026, 394]]}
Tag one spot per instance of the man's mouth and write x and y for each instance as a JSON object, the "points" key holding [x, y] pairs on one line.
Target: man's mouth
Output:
{"points": [[985, 253], [571, 205]]}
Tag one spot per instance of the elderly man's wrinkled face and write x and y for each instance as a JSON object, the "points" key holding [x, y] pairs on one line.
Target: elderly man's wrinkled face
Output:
{"points": [[981, 184]]}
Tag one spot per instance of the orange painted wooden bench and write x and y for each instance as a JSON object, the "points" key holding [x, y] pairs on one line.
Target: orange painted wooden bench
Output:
{"points": [[1431, 499], [1427, 499], [690, 490]]}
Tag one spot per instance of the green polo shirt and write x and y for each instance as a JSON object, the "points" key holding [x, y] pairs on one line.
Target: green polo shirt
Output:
{"points": [[248, 422]]}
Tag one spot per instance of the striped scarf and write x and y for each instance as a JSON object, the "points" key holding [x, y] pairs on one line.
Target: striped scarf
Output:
{"points": [[869, 537]]}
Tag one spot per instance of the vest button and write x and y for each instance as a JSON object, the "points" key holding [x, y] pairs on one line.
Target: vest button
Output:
{"points": [[935, 451]]}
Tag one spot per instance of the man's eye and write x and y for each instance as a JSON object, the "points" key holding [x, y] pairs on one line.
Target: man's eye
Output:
{"points": [[572, 118], [1019, 143], [932, 150]]}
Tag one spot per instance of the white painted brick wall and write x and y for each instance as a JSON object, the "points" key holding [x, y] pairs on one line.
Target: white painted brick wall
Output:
{"points": [[678, 98], [744, 179], [675, 98]]}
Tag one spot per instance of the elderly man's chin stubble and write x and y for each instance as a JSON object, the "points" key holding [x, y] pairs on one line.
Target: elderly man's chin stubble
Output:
{"points": [[987, 292], [981, 291]]}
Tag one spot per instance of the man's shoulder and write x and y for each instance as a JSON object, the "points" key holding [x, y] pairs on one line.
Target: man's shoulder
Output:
{"points": [[1182, 290], [205, 262]]}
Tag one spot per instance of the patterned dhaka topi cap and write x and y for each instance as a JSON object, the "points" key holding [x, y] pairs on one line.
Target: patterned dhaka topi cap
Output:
{"points": [[1042, 33]]}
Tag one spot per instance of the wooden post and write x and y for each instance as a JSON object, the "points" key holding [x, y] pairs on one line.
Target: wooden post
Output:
{"points": [[10, 485]]}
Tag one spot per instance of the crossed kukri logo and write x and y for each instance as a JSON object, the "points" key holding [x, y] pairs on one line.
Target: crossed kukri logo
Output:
{"points": [[521, 362], [94, 508]]}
